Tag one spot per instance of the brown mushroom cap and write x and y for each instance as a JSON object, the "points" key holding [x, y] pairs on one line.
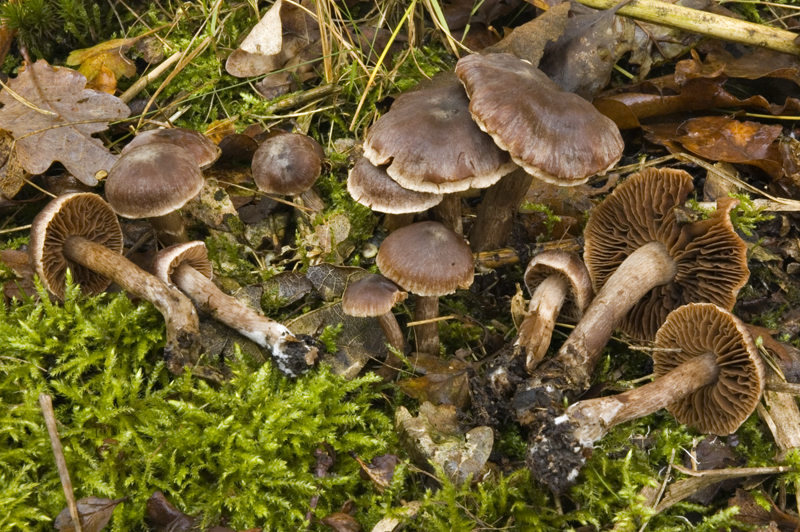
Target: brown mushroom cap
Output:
{"points": [[287, 164], [427, 259], [555, 136], [699, 328], [198, 145], [372, 187], [153, 180], [711, 258], [568, 266], [431, 143], [79, 214], [192, 253], [371, 296]]}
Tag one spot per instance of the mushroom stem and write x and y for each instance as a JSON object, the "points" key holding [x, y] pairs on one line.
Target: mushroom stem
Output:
{"points": [[169, 228], [449, 213], [393, 222], [427, 308], [497, 210], [595, 417], [183, 330], [394, 336], [537, 327], [646, 268], [292, 356]]}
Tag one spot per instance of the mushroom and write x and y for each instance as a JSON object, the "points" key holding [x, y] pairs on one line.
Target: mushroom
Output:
{"points": [[552, 135], [372, 187], [373, 296], [429, 260], [187, 267], [80, 231], [154, 181], [198, 145], [289, 164], [708, 374], [431, 144], [554, 278], [643, 265]]}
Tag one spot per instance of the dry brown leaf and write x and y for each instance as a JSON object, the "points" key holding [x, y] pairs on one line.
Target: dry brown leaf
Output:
{"points": [[752, 513], [53, 117], [93, 512], [104, 81], [12, 176], [380, 470], [445, 382], [165, 517], [107, 55], [341, 522]]}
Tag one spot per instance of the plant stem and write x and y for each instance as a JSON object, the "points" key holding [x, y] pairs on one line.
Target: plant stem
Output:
{"points": [[704, 23], [426, 308]]}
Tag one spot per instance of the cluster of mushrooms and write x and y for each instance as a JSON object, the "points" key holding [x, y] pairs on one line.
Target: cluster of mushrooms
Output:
{"points": [[643, 271], [155, 175]]}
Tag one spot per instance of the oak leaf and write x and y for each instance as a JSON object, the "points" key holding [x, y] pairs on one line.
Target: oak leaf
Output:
{"points": [[52, 117]]}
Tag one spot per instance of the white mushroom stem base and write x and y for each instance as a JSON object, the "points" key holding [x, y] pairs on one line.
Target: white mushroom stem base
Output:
{"points": [[183, 346], [536, 329], [558, 448], [427, 308], [292, 356], [595, 417], [169, 229]]}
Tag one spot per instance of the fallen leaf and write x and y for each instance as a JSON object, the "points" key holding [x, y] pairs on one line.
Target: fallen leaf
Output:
{"points": [[752, 513], [104, 81], [528, 41], [12, 176], [341, 522], [93, 512], [433, 438], [445, 382], [54, 118], [165, 517], [394, 524], [380, 470], [108, 55], [330, 281]]}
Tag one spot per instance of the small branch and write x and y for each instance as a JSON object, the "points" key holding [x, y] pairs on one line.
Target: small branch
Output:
{"points": [[148, 78], [710, 24], [46, 403]]}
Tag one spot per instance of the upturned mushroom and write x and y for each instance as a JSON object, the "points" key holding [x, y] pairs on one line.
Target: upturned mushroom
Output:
{"points": [[429, 260], [552, 135], [154, 181], [555, 279], [643, 265], [374, 296], [80, 231], [708, 374], [372, 187], [187, 267]]}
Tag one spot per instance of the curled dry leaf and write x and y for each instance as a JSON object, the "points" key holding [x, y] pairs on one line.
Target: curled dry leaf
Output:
{"points": [[341, 522], [380, 470], [12, 175], [433, 438], [106, 55], [93, 512], [52, 117], [165, 517], [445, 382], [752, 513]]}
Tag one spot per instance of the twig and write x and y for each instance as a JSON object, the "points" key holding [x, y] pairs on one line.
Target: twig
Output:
{"points": [[46, 402], [145, 80], [431, 320], [14, 229], [710, 24]]}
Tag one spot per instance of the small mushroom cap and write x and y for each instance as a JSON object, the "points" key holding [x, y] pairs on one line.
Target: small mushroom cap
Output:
{"points": [[193, 253], [80, 214], [431, 143], [153, 180], [555, 136], [198, 145], [372, 187], [371, 296], [287, 164], [700, 328], [427, 259], [571, 268], [711, 258]]}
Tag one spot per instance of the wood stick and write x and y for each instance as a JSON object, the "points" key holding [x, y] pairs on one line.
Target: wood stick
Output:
{"points": [[710, 24], [46, 403]]}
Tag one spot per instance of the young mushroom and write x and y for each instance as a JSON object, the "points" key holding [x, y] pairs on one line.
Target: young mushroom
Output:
{"points": [[555, 278], [643, 265], [708, 374], [289, 164], [429, 260], [374, 296], [80, 232], [552, 135], [154, 181], [187, 267]]}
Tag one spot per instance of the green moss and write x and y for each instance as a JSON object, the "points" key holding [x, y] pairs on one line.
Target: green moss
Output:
{"points": [[244, 450], [550, 217], [329, 335]]}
